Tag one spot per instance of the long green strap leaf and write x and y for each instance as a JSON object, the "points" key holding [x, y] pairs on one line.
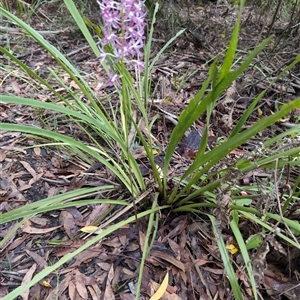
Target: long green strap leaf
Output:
{"points": [[50, 269]]}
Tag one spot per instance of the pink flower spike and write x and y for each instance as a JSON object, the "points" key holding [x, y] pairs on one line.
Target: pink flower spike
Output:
{"points": [[124, 29]]}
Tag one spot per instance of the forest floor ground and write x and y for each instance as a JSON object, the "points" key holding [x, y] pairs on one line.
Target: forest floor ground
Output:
{"points": [[184, 244]]}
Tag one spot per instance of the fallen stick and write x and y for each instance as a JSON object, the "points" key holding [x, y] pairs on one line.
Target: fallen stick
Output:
{"points": [[20, 31]]}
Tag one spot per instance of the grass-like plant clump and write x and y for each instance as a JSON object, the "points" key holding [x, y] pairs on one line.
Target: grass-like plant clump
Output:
{"points": [[208, 186]]}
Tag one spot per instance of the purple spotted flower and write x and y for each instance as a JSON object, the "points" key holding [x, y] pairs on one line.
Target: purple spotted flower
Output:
{"points": [[124, 31]]}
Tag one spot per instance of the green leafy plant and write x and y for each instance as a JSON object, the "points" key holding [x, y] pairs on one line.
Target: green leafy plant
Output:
{"points": [[120, 131]]}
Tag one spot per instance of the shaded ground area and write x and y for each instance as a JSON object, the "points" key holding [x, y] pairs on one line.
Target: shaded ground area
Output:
{"points": [[184, 244]]}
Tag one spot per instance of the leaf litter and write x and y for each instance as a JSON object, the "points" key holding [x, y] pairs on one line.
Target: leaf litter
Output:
{"points": [[184, 246]]}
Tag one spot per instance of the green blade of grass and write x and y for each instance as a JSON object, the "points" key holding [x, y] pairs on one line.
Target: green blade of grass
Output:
{"points": [[292, 224], [59, 57], [76, 146], [147, 246], [103, 124], [82, 26], [50, 269], [185, 120], [39, 38], [245, 255], [269, 161], [195, 109], [226, 260], [215, 155], [229, 57], [246, 115], [55, 203], [99, 122], [30, 72]]}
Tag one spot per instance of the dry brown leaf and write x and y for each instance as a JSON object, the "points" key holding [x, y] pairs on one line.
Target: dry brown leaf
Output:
{"points": [[177, 230], [84, 256], [114, 243], [108, 293], [175, 248], [28, 276], [69, 224], [81, 289], [13, 148], [6, 244], [183, 276], [127, 296], [39, 220], [141, 239], [167, 257], [86, 280], [33, 230], [117, 277], [155, 262], [16, 87], [104, 266], [201, 262], [49, 175], [221, 291], [78, 217], [74, 85], [96, 213], [76, 184], [93, 293], [55, 162], [18, 258], [289, 290], [243, 278], [166, 296], [36, 292], [53, 191], [5, 183], [72, 290], [97, 290], [214, 270], [35, 179], [123, 240], [37, 151], [27, 166], [68, 246], [57, 292], [2, 156], [23, 186], [37, 258], [17, 242]]}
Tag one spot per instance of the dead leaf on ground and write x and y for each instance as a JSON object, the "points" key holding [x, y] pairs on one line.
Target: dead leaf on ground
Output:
{"points": [[69, 224], [27, 278], [109, 293], [72, 290], [166, 296], [98, 210], [59, 290], [2, 156], [84, 256], [40, 261], [33, 230], [167, 257]]}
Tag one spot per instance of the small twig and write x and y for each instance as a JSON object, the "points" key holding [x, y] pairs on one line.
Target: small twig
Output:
{"points": [[60, 182], [20, 31], [81, 49], [289, 125]]}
